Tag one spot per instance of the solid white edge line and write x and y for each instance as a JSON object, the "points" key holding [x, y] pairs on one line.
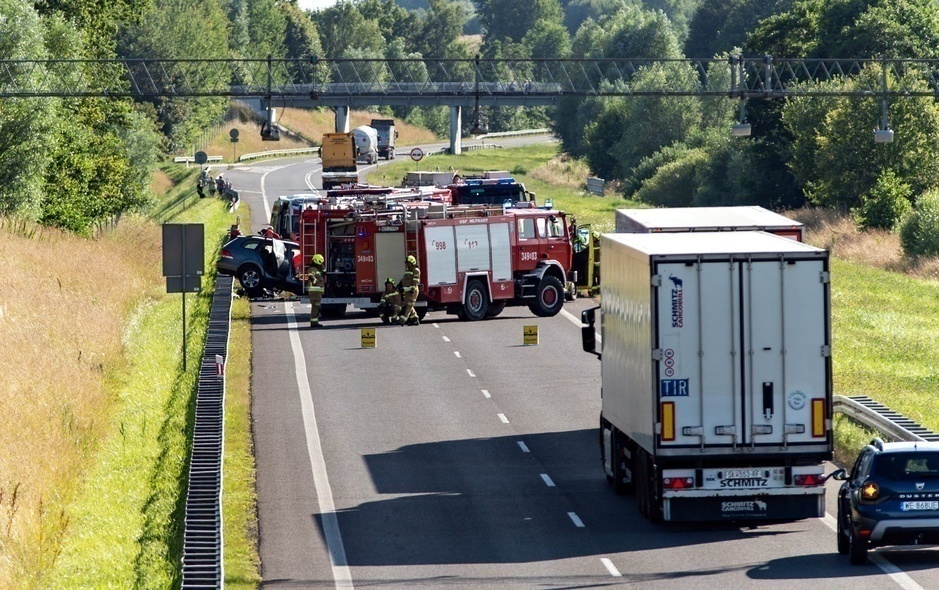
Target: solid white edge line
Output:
{"points": [[486, 393], [523, 446], [610, 567], [547, 480], [576, 519], [577, 323], [470, 373], [503, 418], [324, 495], [892, 571]]}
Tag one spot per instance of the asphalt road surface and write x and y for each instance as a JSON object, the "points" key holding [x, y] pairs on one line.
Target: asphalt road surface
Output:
{"points": [[452, 456]]}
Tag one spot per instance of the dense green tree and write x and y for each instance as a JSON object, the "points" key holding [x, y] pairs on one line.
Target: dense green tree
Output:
{"points": [[301, 40], [440, 28], [394, 21], [919, 232], [26, 124], [96, 21], [833, 155], [173, 28], [577, 12], [342, 27], [511, 19], [547, 39], [720, 25]]}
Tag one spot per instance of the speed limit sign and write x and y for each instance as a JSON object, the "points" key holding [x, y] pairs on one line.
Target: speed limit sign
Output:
{"points": [[416, 154]]}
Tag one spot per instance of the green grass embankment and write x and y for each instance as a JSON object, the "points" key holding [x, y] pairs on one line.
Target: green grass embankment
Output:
{"points": [[126, 525]]}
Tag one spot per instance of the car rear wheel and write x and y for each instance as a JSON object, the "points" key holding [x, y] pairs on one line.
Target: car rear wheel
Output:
{"points": [[843, 543], [857, 547], [250, 279]]}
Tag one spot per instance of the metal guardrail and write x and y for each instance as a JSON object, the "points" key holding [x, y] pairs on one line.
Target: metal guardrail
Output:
{"points": [[192, 160], [273, 153], [203, 566], [520, 133], [882, 419]]}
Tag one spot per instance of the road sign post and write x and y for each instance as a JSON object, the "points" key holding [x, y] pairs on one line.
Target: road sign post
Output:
{"points": [[183, 262]]}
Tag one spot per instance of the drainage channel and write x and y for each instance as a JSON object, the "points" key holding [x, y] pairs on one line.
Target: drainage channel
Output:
{"points": [[202, 538]]}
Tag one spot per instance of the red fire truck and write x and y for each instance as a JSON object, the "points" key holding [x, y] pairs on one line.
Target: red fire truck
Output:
{"points": [[474, 260]]}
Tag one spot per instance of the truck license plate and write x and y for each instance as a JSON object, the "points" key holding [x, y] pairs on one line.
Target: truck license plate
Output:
{"points": [[743, 473], [932, 505]]}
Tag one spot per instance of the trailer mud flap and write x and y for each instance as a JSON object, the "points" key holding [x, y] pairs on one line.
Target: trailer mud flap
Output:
{"points": [[745, 508]]}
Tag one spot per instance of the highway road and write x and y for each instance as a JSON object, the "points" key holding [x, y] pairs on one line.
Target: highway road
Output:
{"points": [[452, 456]]}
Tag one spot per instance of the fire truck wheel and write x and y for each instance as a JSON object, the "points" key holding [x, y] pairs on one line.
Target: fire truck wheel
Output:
{"points": [[495, 308], [250, 279], [477, 301], [333, 310], [550, 298]]}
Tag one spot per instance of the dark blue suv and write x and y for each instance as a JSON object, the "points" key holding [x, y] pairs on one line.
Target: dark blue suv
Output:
{"points": [[891, 497]]}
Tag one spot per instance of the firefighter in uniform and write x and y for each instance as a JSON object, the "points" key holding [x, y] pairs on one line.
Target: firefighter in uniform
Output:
{"points": [[390, 302], [410, 288], [316, 285]]}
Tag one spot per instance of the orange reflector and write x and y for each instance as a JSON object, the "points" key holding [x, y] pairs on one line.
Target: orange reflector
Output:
{"points": [[668, 420], [818, 417]]}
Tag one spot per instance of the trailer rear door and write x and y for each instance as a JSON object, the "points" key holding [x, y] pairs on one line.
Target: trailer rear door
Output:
{"points": [[742, 352]]}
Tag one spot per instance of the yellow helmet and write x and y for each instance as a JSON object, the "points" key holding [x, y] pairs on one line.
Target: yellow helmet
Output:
{"points": [[411, 260], [318, 259], [390, 280]]}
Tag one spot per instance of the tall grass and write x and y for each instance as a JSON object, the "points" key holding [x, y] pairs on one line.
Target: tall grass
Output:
{"points": [[61, 325]]}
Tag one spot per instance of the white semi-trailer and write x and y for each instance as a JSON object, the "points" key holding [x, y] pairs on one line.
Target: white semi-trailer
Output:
{"points": [[716, 374], [695, 219]]}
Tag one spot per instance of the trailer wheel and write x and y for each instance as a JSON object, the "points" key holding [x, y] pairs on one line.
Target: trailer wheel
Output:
{"points": [[250, 278], [495, 308], [477, 301], [549, 299]]}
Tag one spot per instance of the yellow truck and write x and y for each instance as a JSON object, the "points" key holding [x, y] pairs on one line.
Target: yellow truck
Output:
{"points": [[338, 155]]}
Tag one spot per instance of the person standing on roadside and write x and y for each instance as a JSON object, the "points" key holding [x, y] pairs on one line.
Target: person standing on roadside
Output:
{"points": [[410, 289], [316, 286]]}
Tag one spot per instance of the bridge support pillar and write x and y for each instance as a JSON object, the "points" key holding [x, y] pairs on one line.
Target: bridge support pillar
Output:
{"points": [[456, 124], [342, 119]]}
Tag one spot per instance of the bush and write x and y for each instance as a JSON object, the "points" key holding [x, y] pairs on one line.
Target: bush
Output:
{"points": [[885, 204], [919, 232], [673, 184]]}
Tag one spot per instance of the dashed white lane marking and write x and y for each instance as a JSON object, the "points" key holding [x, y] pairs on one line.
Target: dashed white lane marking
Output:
{"points": [[577, 322], [470, 373], [435, 325], [547, 480], [486, 393], [892, 571], [503, 418], [324, 494], [445, 339], [576, 519], [524, 447], [610, 567], [456, 353]]}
